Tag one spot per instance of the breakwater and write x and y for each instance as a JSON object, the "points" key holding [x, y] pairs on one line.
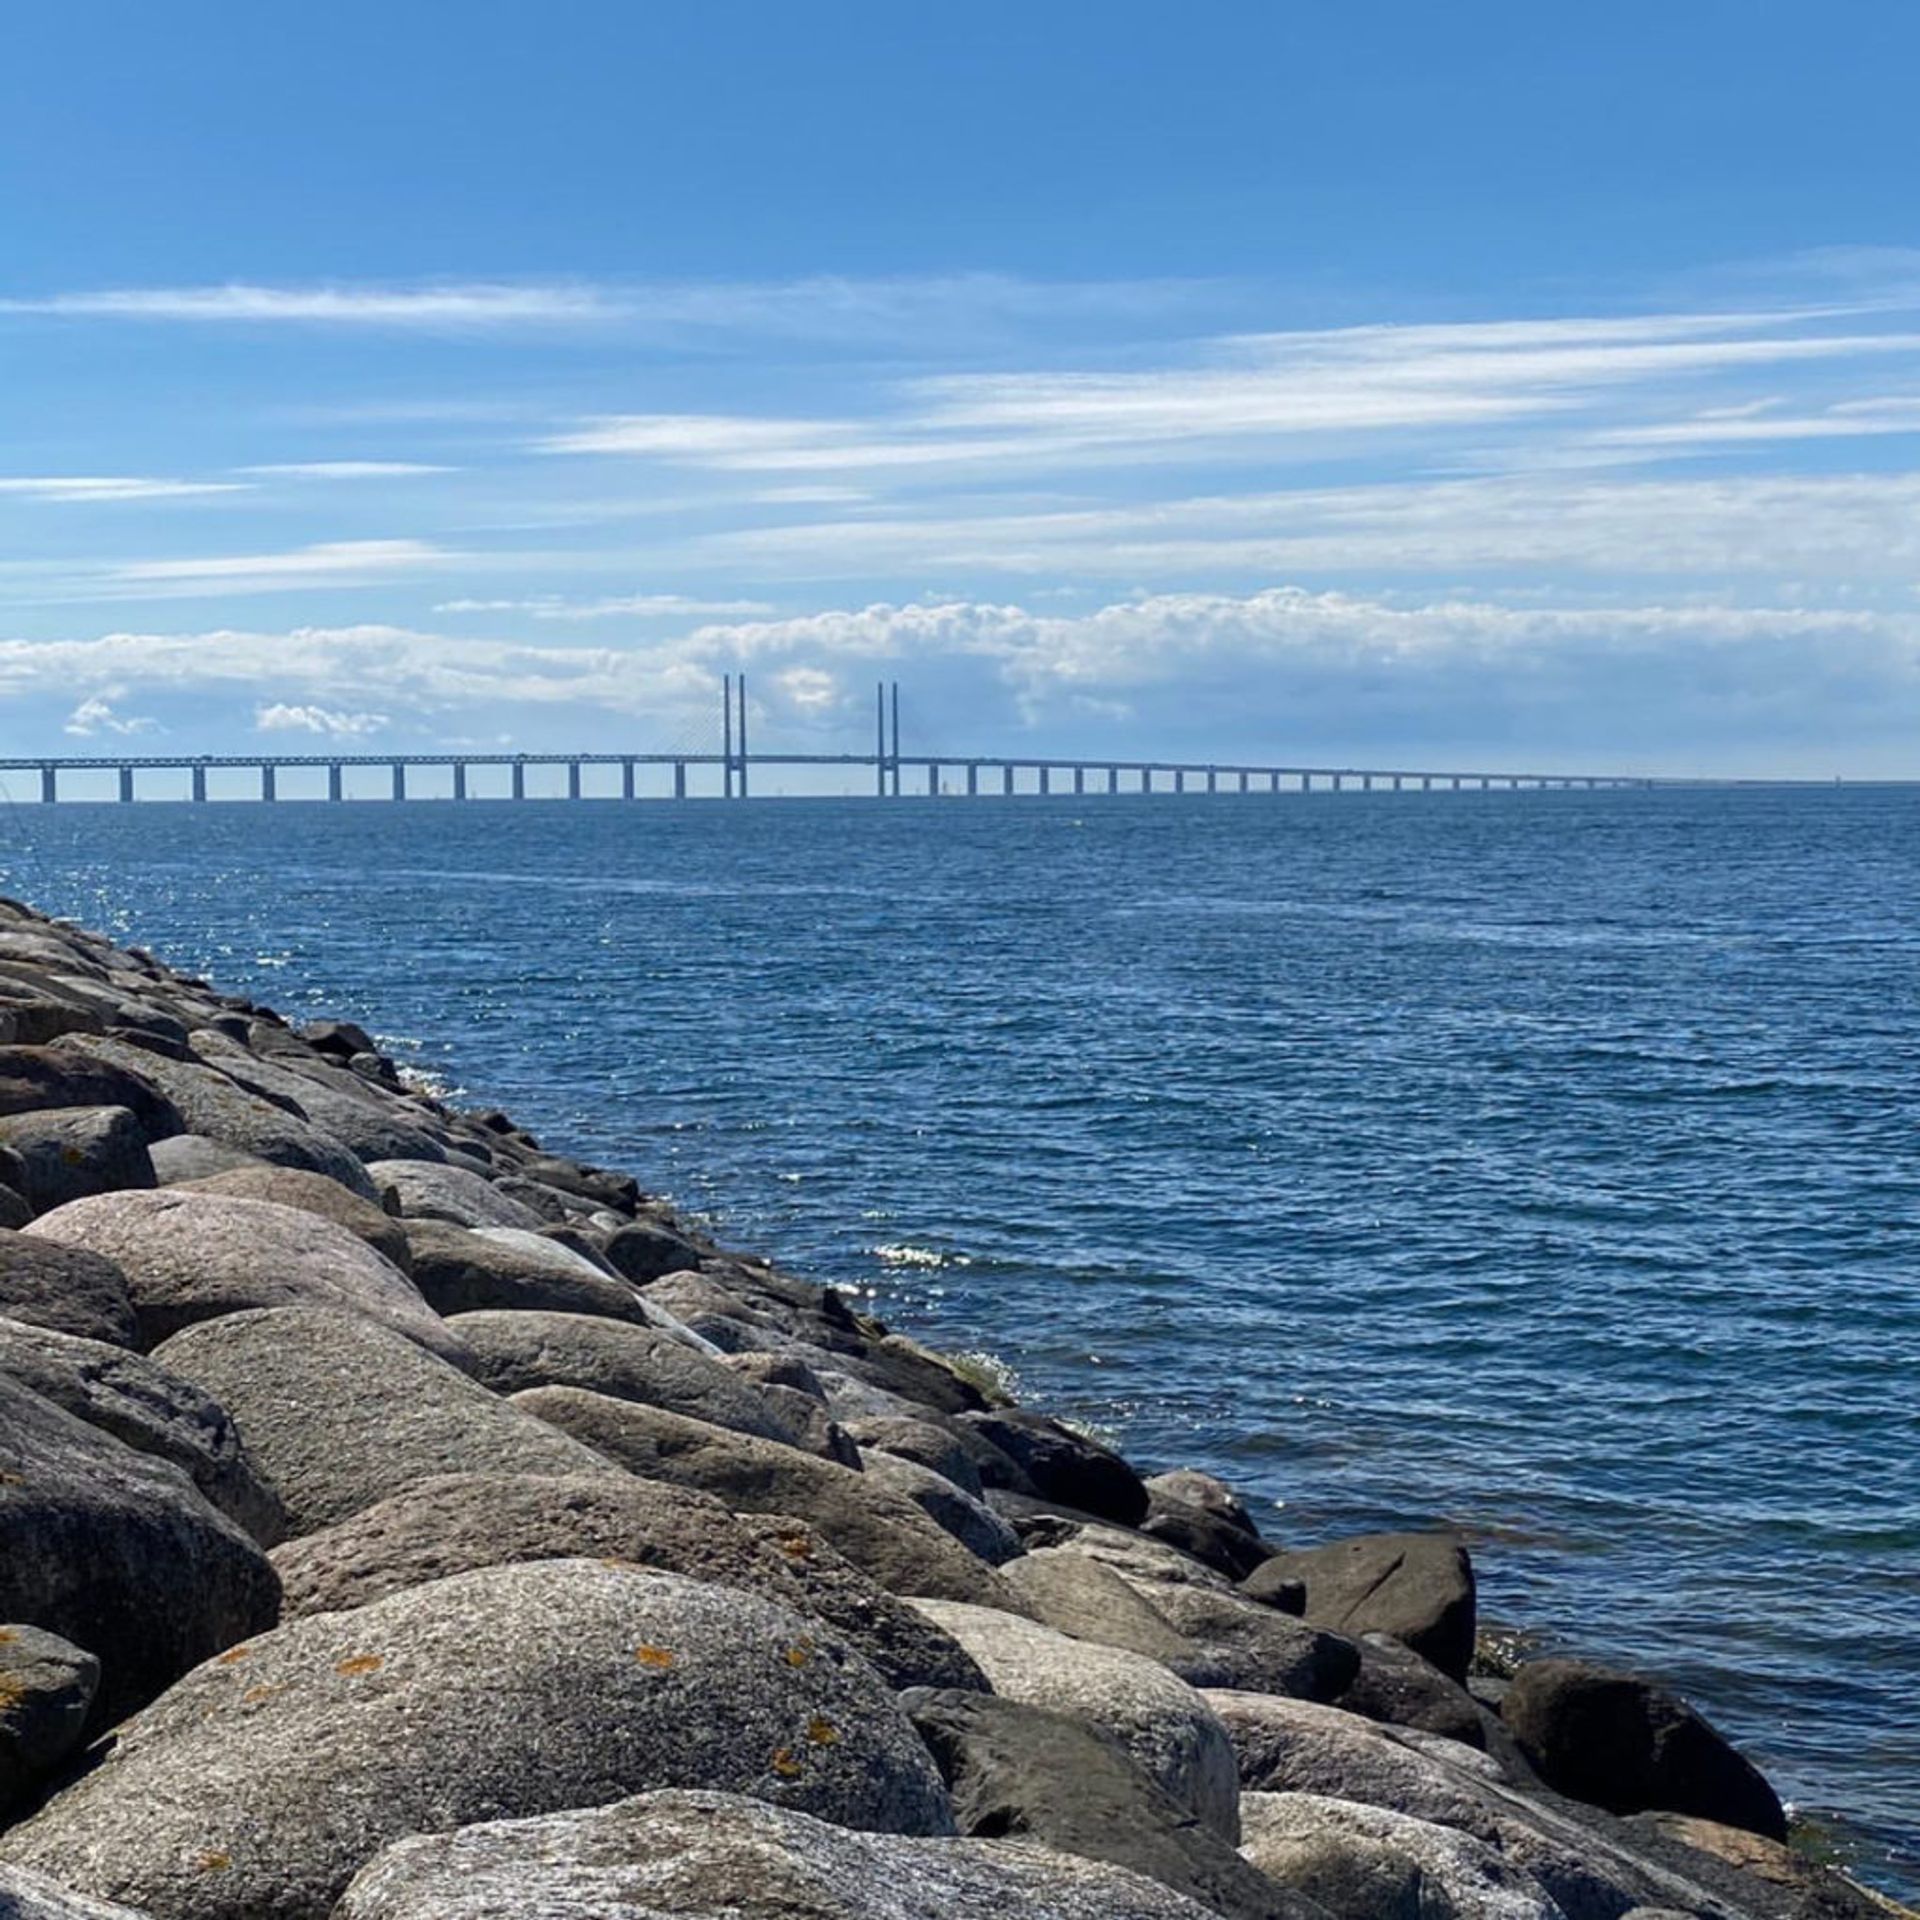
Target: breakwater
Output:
{"points": [[397, 1517]]}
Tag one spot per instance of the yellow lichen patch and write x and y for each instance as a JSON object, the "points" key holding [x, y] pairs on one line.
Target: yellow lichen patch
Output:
{"points": [[255, 1695], [232, 1655], [785, 1764], [214, 1861], [12, 1479], [797, 1546], [13, 1690], [821, 1731], [658, 1657], [614, 1564], [800, 1653], [357, 1664], [8, 1636]]}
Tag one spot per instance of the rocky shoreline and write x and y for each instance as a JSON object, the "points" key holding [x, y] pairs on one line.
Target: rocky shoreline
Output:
{"points": [[401, 1522]]}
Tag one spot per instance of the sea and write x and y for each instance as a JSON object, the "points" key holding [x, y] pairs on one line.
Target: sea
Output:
{"points": [[1540, 1165]]}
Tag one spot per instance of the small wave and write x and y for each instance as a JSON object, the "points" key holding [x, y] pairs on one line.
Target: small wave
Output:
{"points": [[906, 1256]]}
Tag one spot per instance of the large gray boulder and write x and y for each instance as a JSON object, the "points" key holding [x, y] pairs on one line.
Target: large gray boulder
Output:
{"points": [[461, 1271], [66, 1153], [1625, 1743], [1020, 1772], [34, 1078], [1064, 1465], [513, 1352], [191, 1256], [182, 1157], [33, 1896], [207, 1102], [644, 1251], [119, 1553], [1365, 1863], [146, 1407], [65, 1288], [932, 1444], [971, 1521], [880, 1531], [336, 1412], [1250, 1646], [1079, 1596], [705, 1856], [454, 1523], [259, 1785], [311, 1193], [432, 1190], [1396, 1686], [1161, 1721], [46, 1689], [1416, 1586]]}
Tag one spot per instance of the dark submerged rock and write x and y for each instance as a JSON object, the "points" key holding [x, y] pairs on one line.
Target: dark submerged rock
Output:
{"points": [[1626, 1744]]}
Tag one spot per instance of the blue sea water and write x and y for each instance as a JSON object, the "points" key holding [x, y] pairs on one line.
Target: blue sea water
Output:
{"points": [[1546, 1165]]}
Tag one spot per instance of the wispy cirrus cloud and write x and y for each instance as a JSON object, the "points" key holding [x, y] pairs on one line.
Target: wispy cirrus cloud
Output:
{"points": [[327, 561], [432, 308], [81, 489], [346, 469], [644, 606]]}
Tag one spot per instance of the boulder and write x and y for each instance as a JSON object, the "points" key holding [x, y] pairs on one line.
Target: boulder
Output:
{"points": [[705, 1856], [906, 1649], [32, 1896], [343, 1038], [453, 1523], [1396, 1686], [192, 1156], [432, 1190], [66, 1153], [1364, 1863], [512, 1352], [460, 1271], [1251, 1647], [46, 1688], [119, 1553], [1224, 1545], [14, 1211], [33, 1078], [810, 1426], [207, 1102], [311, 1193], [643, 1252], [972, 1522], [337, 1412], [880, 1531], [921, 1441], [192, 1256], [1137, 1557], [1188, 1488], [1416, 1586], [1626, 1744], [66, 1288], [370, 1123], [147, 1408], [1063, 1465], [616, 1191], [1020, 1772], [1162, 1722], [1078, 1596], [259, 1785]]}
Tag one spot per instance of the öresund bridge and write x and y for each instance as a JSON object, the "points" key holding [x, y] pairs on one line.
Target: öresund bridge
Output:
{"points": [[728, 770]]}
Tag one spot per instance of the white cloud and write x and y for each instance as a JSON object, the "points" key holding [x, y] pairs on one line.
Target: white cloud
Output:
{"points": [[645, 606], [327, 562], [111, 487], [346, 469], [436, 308], [283, 718], [95, 714]]}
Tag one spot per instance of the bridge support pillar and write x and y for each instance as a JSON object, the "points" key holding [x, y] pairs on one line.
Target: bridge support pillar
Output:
{"points": [[679, 779], [573, 779], [1179, 779], [399, 780], [973, 778], [1213, 779], [335, 782], [1046, 780], [1146, 779], [519, 780], [126, 785], [1486, 786], [267, 791], [1243, 783], [49, 786], [1113, 779], [1079, 779], [933, 779], [459, 779], [1337, 783], [1273, 781], [200, 785], [626, 779], [1006, 779]]}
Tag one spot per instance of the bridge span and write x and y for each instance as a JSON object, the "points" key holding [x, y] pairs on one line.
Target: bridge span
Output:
{"points": [[729, 772]]}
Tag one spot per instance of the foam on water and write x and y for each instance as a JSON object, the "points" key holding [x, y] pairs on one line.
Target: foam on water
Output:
{"points": [[1544, 1164]]}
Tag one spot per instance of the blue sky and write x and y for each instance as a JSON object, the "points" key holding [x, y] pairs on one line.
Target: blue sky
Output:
{"points": [[1442, 385]]}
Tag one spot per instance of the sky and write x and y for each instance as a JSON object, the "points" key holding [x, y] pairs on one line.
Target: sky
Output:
{"points": [[1482, 385]]}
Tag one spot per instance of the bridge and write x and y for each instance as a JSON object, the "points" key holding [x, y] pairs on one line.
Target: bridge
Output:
{"points": [[729, 772]]}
